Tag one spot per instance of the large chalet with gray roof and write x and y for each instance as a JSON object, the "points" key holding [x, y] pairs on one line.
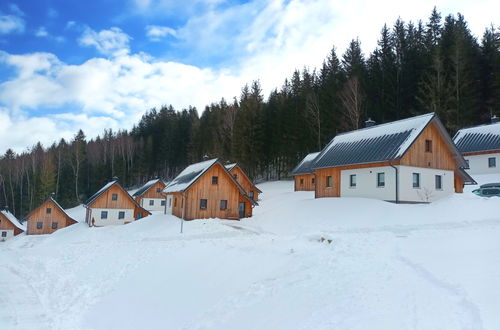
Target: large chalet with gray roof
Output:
{"points": [[412, 160], [480, 146]]}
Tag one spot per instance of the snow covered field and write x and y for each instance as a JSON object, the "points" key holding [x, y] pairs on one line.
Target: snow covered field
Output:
{"points": [[388, 266]]}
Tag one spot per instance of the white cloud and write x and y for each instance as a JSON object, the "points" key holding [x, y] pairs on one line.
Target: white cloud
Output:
{"points": [[157, 32], [11, 24], [41, 32], [112, 42]]}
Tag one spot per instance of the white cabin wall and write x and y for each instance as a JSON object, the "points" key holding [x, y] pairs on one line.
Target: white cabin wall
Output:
{"points": [[478, 164], [9, 233], [427, 191], [156, 204], [112, 217], [366, 183]]}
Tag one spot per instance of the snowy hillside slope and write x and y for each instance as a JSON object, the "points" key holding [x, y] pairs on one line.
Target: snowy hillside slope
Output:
{"points": [[387, 267]]}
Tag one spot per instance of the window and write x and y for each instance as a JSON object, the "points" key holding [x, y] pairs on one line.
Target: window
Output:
{"points": [[312, 180], [428, 146], [215, 180], [170, 202], [4, 234], [235, 176], [439, 182], [301, 182], [54, 225], [39, 225], [104, 214], [467, 163], [416, 180], [328, 181], [352, 180], [151, 202], [114, 197], [139, 215], [49, 210], [163, 202], [492, 162], [381, 179], [251, 194], [203, 204], [223, 204], [158, 190], [121, 215]]}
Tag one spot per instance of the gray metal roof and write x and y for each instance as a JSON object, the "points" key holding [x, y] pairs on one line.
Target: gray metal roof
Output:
{"points": [[305, 166], [478, 138], [373, 144]]}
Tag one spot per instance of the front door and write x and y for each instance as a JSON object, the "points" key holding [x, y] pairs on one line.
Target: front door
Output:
{"points": [[241, 209]]}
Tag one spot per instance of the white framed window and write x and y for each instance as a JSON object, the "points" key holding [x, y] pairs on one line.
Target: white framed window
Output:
{"points": [[104, 214], [352, 180], [467, 163], [203, 204], [4, 234], [416, 180], [151, 202], [121, 215], [492, 162], [439, 182], [114, 197], [54, 225], [163, 202], [39, 225], [381, 179]]}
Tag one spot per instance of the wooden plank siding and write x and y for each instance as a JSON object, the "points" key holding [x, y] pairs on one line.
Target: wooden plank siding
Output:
{"points": [[6, 224], [40, 215], [305, 182], [155, 191], [245, 182]]}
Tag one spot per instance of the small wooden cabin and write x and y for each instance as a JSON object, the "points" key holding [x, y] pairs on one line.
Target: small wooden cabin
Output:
{"points": [[413, 160], [47, 218], [480, 146], [9, 225], [243, 179], [150, 195], [303, 174], [207, 190], [112, 205]]}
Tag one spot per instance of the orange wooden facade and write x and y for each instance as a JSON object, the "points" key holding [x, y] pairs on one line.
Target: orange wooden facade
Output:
{"points": [[187, 204], [50, 216], [245, 182], [6, 224], [439, 157], [305, 182], [124, 201]]}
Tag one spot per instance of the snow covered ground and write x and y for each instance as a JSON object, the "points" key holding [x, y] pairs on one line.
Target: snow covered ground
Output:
{"points": [[388, 266]]}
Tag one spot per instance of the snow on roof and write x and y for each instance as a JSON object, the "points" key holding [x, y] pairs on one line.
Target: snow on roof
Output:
{"points": [[100, 191], [188, 176], [146, 187], [305, 166], [229, 167], [478, 138], [12, 218], [372, 144]]}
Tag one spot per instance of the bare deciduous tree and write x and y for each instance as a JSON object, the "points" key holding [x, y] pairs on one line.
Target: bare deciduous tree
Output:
{"points": [[352, 97]]}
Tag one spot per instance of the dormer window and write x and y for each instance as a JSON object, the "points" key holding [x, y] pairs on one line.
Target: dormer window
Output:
{"points": [[428, 145]]}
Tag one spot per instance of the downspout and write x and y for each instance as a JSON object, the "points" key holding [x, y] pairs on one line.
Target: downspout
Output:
{"points": [[397, 182]]}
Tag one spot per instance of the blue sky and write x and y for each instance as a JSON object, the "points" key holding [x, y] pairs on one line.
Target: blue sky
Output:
{"points": [[66, 65]]}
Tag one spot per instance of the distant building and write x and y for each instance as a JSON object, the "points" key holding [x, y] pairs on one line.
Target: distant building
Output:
{"points": [[207, 190], [243, 179], [480, 146], [112, 205], [150, 195], [411, 160], [47, 218], [303, 174], [9, 225]]}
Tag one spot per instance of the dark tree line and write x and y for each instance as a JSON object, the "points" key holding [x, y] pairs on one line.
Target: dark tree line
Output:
{"points": [[416, 68]]}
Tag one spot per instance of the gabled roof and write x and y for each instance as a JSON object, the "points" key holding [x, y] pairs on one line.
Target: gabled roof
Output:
{"points": [[141, 191], [50, 199], [12, 218], [305, 166], [188, 176], [478, 138], [380, 143], [231, 167], [193, 172], [106, 187]]}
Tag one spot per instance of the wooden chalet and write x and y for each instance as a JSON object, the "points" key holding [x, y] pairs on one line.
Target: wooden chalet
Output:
{"points": [[150, 195], [47, 218], [9, 225], [243, 179], [113, 205], [207, 190], [412, 160], [480, 146], [303, 174]]}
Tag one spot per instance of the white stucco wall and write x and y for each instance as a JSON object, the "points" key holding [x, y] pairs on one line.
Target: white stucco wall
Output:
{"points": [[366, 184], [112, 217], [10, 234], [478, 164], [156, 204], [168, 209], [427, 191]]}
